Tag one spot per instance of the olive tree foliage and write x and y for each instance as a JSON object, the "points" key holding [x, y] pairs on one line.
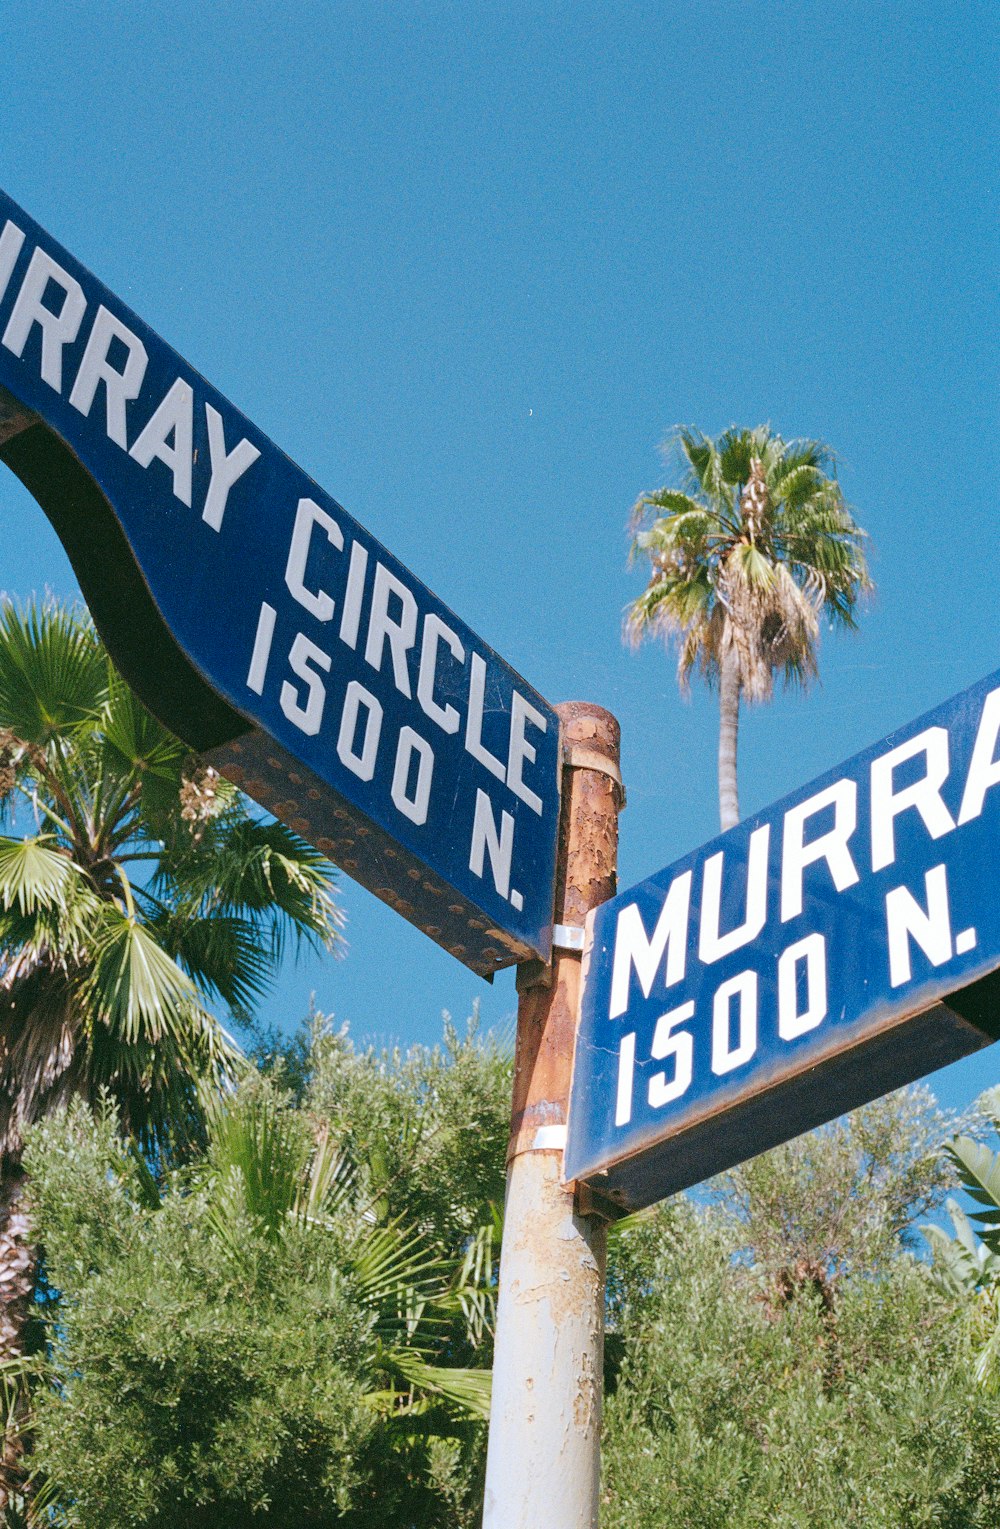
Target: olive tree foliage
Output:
{"points": [[426, 1127], [295, 1328], [787, 1361], [244, 1348], [842, 1199]]}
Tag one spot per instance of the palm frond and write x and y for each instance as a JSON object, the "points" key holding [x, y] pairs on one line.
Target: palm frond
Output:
{"points": [[391, 1263], [220, 952], [261, 871], [34, 874], [53, 672], [135, 989], [467, 1389], [264, 1148], [141, 743]]}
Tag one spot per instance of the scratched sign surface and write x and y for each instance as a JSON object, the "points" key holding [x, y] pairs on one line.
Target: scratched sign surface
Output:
{"points": [[837, 945], [256, 618]]}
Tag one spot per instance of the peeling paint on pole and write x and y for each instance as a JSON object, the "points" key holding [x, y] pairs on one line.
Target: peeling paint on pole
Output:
{"points": [[544, 1449]]}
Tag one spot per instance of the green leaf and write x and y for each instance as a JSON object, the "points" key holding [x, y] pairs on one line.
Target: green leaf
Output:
{"points": [[33, 874], [135, 988], [979, 1169], [468, 1389], [141, 743], [53, 672]]}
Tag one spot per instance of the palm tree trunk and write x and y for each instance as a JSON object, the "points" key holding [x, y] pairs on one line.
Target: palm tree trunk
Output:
{"points": [[729, 725], [18, 1270]]}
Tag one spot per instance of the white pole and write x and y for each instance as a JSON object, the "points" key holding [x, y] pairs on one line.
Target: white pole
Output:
{"points": [[543, 1464]]}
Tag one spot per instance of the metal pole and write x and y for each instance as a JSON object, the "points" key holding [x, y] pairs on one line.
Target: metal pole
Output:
{"points": [[543, 1464]]}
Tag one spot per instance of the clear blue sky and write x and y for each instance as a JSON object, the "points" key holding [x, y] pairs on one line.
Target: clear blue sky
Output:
{"points": [[466, 263]]}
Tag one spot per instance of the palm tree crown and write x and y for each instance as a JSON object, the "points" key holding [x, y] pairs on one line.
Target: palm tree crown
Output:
{"points": [[135, 888], [745, 556], [143, 890]]}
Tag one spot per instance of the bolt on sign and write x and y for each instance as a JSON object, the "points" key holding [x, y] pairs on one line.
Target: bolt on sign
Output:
{"points": [[267, 628], [840, 944]]}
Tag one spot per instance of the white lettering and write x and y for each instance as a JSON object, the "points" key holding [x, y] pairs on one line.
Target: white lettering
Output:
{"points": [[119, 387], [58, 329], [227, 468], [522, 712], [350, 615], [811, 950], [413, 807], [11, 244], [984, 768], [831, 847], [435, 631], [930, 927], [474, 726], [924, 794], [261, 648], [174, 418], [486, 839], [681, 1048], [725, 1058], [712, 945], [362, 765], [626, 1074], [401, 634], [303, 655], [633, 948], [308, 515]]}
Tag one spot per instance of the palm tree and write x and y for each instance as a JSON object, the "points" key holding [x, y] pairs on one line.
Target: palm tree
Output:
{"points": [[746, 556], [135, 889]]}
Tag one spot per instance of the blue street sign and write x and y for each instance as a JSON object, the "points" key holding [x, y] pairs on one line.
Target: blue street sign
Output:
{"points": [[837, 945], [257, 619]]}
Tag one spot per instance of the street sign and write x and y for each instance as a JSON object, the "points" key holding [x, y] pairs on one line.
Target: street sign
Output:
{"points": [[268, 629], [836, 946]]}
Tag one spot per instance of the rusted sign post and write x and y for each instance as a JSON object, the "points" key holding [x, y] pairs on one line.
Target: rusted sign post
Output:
{"points": [[543, 1465]]}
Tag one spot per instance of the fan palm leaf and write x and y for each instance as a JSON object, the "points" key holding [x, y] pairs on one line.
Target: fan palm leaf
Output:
{"points": [[145, 890]]}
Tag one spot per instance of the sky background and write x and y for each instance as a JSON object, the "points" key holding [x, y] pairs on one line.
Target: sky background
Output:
{"points": [[467, 263]]}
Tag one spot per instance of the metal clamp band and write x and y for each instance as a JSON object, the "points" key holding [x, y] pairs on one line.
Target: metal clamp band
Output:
{"points": [[578, 757]]}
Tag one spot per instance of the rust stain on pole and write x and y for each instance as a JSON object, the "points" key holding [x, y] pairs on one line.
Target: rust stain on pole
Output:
{"points": [[543, 1463], [586, 876]]}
